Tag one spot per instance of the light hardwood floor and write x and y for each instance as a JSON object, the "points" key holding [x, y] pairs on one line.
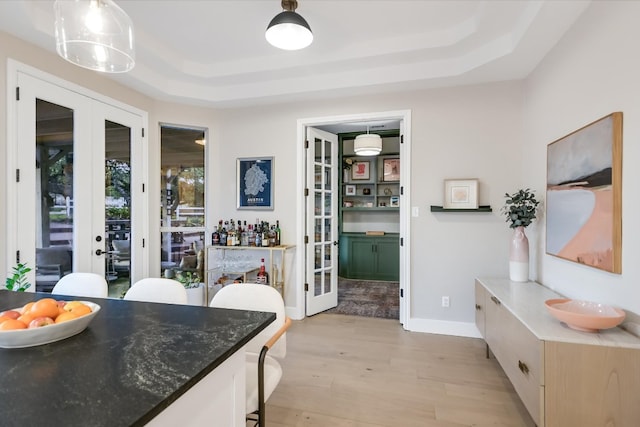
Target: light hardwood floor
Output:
{"points": [[368, 372]]}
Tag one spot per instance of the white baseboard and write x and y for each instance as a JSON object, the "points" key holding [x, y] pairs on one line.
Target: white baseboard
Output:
{"points": [[294, 313], [443, 327]]}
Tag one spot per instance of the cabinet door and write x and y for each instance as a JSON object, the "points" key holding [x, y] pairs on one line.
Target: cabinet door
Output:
{"points": [[362, 262], [480, 308], [343, 255], [387, 252]]}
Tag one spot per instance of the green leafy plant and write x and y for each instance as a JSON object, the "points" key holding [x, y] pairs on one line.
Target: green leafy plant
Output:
{"points": [[188, 279], [18, 281], [520, 208]]}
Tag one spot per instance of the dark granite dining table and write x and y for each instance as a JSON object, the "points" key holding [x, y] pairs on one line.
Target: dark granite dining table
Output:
{"points": [[131, 362]]}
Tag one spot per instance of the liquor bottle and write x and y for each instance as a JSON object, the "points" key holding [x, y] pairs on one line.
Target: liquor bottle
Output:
{"points": [[239, 233], [215, 236], [230, 233], [263, 276], [223, 237], [265, 234], [272, 236], [278, 241], [244, 236], [252, 236], [258, 236]]}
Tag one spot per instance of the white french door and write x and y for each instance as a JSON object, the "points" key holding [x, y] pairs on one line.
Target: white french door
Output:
{"points": [[322, 221], [74, 156]]}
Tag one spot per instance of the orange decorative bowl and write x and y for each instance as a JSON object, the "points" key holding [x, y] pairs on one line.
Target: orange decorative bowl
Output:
{"points": [[585, 316]]}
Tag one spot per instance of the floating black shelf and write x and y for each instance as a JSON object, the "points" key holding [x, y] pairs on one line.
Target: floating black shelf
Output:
{"points": [[486, 208]]}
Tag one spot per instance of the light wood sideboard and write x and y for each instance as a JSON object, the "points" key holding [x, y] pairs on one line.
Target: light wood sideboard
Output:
{"points": [[564, 377]]}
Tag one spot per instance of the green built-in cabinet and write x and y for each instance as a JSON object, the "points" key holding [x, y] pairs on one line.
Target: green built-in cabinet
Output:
{"points": [[369, 202], [370, 257]]}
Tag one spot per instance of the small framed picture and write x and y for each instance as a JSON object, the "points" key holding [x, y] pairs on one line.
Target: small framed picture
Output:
{"points": [[350, 190], [394, 201], [254, 183], [360, 170], [460, 194], [391, 170]]}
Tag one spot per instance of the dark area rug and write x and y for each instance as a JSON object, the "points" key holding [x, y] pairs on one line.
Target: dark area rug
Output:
{"points": [[367, 298]]}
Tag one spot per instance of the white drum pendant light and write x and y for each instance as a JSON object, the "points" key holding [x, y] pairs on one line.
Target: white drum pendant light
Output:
{"points": [[367, 144], [94, 34], [288, 30]]}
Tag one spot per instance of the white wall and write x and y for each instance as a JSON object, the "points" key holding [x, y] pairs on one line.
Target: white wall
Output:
{"points": [[592, 72]]}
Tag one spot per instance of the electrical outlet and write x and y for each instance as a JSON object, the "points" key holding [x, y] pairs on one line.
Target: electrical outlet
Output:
{"points": [[445, 302]]}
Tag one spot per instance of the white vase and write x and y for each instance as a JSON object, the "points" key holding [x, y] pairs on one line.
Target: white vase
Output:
{"points": [[519, 256], [195, 296]]}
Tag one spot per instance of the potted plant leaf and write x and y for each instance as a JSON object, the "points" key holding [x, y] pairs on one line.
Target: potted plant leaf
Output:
{"points": [[193, 285], [520, 210], [18, 280]]}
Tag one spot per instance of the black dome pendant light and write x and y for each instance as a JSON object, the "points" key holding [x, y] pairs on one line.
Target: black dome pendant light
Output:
{"points": [[288, 30]]}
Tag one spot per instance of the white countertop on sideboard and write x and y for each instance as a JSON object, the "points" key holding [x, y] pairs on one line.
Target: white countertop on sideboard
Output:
{"points": [[525, 300]]}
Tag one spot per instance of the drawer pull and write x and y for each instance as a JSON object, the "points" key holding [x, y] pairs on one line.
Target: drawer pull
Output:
{"points": [[478, 307], [523, 367], [496, 300]]}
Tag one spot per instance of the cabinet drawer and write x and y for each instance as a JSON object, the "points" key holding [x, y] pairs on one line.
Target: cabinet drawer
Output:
{"points": [[519, 353], [523, 366]]}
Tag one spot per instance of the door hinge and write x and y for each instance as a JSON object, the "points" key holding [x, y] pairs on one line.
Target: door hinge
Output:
{"points": [[306, 144], [306, 192], [17, 93], [401, 190], [402, 241], [17, 257], [143, 187], [401, 139], [306, 240], [143, 132], [306, 287], [17, 175], [143, 243], [401, 293]]}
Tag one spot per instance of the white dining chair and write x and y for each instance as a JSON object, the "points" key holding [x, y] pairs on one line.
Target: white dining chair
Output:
{"points": [[156, 289], [82, 285], [263, 371]]}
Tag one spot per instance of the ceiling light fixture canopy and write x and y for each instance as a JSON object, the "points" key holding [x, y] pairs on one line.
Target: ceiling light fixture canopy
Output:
{"points": [[367, 144], [94, 34], [288, 30]]}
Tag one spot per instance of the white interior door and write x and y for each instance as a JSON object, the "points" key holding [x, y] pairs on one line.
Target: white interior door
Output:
{"points": [[322, 221], [72, 138]]}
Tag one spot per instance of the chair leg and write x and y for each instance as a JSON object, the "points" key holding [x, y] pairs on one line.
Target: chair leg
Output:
{"points": [[261, 404]]}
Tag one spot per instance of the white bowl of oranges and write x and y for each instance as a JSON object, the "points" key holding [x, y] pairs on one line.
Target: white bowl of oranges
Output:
{"points": [[44, 321]]}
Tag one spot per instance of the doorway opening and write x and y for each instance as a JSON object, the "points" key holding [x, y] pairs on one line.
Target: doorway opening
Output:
{"points": [[358, 195]]}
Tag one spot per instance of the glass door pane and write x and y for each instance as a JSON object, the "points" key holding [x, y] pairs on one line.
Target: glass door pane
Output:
{"points": [[54, 193], [117, 206], [182, 177]]}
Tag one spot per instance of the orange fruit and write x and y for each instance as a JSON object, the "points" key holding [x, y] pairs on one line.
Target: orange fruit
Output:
{"points": [[27, 307], [26, 318], [11, 324], [3, 318], [66, 316], [77, 307], [45, 307]]}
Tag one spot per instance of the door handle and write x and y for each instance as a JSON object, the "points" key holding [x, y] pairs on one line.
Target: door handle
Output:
{"points": [[495, 300], [100, 252], [478, 307]]}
